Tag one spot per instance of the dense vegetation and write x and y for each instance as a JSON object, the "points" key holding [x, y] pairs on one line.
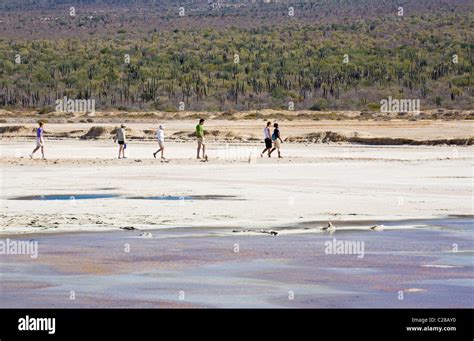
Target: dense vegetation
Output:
{"points": [[281, 59]]}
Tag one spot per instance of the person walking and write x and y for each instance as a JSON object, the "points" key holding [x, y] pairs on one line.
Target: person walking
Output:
{"points": [[267, 139], [200, 139], [277, 141], [39, 140], [160, 136], [121, 139]]}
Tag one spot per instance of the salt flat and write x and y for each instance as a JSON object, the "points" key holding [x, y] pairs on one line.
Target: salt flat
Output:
{"points": [[236, 187]]}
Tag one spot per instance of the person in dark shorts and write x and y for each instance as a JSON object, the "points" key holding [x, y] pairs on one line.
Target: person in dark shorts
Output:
{"points": [[267, 139], [121, 140]]}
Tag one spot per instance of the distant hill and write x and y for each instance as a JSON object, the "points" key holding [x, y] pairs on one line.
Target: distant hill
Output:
{"points": [[237, 55]]}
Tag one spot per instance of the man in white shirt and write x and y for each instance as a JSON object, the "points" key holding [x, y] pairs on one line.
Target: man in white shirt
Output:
{"points": [[160, 136], [267, 139]]}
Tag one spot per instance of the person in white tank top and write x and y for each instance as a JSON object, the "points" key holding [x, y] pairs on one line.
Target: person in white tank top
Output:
{"points": [[267, 139], [160, 136]]}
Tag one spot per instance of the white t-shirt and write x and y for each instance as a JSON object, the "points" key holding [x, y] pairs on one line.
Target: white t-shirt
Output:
{"points": [[160, 135], [266, 133]]}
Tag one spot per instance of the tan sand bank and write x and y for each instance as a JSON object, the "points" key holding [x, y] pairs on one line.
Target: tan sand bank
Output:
{"points": [[394, 132]]}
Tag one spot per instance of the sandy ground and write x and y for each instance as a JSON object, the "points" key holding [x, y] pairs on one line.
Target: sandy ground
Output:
{"points": [[235, 189], [417, 130]]}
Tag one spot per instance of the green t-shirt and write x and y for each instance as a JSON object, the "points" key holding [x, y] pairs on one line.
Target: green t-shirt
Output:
{"points": [[199, 130]]}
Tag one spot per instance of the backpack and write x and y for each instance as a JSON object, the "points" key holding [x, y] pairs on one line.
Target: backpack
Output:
{"points": [[275, 134]]}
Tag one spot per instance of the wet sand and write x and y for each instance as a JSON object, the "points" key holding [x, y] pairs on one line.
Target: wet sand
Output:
{"points": [[190, 267]]}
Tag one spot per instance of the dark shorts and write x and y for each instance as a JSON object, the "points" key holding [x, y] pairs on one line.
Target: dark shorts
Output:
{"points": [[268, 143], [121, 142]]}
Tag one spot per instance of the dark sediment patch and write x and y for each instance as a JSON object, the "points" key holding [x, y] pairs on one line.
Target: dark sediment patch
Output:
{"points": [[187, 197], [461, 220], [96, 132], [16, 131], [470, 216], [331, 136], [399, 141]]}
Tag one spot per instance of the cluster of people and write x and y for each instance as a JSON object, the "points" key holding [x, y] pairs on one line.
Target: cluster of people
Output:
{"points": [[272, 140], [120, 138]]}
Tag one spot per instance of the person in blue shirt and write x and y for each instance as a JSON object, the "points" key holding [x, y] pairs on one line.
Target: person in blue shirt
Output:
{"points": [[39, 140]]}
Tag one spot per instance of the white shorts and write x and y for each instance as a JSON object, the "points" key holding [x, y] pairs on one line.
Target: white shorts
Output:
{"points": [[161, 144], [39, 144]]}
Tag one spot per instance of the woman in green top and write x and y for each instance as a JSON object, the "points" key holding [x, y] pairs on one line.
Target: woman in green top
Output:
{"points": [[200, 138]]}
